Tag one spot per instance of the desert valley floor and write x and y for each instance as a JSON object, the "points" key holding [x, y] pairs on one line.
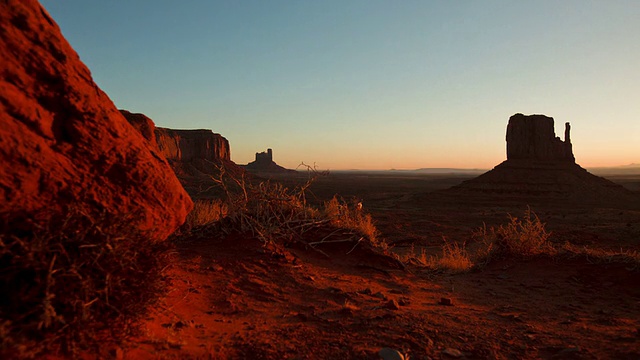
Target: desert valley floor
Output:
{"points": [[232, 297]]}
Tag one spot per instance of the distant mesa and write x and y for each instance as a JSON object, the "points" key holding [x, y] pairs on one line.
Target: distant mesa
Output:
{"points": [[541, 165], [181, 145], [264, 164], [189, 145], [194, 155]]}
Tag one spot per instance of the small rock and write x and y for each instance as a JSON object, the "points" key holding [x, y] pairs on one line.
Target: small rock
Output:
{"points": [[366, 291], [404, 301], [392, 305], [380, 295], [567, 353], [446, 301], [452, 353], [429, 343], [390, 354]]}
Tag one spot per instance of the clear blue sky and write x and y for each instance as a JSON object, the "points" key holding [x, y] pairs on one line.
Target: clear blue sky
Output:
{"points": [[370, 84]]}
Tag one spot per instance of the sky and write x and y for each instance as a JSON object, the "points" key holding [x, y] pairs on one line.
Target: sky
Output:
{"points": [[370, 84]]}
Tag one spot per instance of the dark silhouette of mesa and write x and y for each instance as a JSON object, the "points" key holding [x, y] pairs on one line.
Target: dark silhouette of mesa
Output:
{"points": [[264, 164], [539, 164]]}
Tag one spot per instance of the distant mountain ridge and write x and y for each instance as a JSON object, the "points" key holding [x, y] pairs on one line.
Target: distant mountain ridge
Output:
{"points": [[630, 169]]}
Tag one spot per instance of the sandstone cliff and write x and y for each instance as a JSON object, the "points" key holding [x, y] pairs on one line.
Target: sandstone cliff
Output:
{"points": [[188, 145], [63, 142]]}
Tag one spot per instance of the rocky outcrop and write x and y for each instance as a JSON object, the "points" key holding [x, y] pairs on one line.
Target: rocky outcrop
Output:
{"points": [[62, 141], [197, 156], [264, 164], [540, 166], [144, 125], [188, 145], [533, 137]]}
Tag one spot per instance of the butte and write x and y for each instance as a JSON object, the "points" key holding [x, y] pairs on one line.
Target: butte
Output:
{"points": [[541, 167]]}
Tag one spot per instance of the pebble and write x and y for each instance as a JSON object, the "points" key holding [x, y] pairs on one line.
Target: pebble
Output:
{"points": [[390, 354], [392, 305], [404, 301], [452, 352], [380, 295], [446, 301]]}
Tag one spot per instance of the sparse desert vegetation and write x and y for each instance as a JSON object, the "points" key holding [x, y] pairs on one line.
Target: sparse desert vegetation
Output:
{"points": [[104, 255], [205, 212], [74, 284], [95, 284]]}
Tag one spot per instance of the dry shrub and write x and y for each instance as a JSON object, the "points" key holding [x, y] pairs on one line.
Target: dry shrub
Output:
{"points": [[205, 212], [519, 237], [454, 259], [273, 213], [74, 284], [345, 215]]}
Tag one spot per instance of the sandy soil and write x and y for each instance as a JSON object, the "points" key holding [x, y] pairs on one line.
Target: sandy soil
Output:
{"points": [[233, 298]]}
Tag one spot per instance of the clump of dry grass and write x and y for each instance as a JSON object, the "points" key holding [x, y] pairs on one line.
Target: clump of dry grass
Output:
{"points": [[206, 212], [631, 258], [350, 216], [74, 283], [519, 237], [273, 213], [454, 259]]}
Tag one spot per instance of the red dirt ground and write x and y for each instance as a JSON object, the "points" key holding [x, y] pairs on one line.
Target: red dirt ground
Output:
{"points": [[232, 298]]}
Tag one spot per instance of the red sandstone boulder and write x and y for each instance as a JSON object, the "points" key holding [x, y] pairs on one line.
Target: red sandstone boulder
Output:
{"points": [[63, 142], [144, 125]]}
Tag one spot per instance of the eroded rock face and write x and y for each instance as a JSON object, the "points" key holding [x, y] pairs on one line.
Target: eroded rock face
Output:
{"points": [[62, 141], [532, 137], [188, 145], [144, 125]]}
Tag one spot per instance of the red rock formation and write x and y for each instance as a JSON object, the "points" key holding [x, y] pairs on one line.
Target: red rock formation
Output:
{"points": [[144, 125], [264, 164], [187, 145], [63, 142], [541, 166], [533, 137]]}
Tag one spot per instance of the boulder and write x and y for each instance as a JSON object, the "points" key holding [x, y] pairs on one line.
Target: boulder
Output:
{"points": [[144, 125], [64, 144]]}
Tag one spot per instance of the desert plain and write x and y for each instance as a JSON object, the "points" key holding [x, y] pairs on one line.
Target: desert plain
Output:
{"points": [[233, 298]]}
